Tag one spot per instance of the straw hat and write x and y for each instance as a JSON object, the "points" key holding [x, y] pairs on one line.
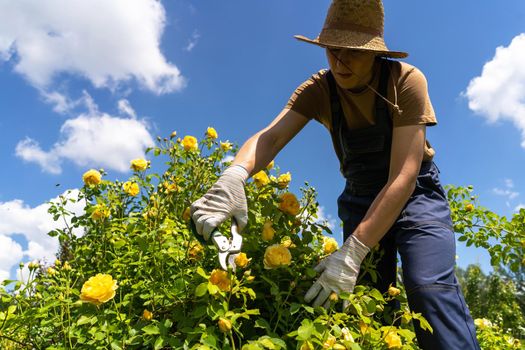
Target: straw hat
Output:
{"points": [[354, 24]]}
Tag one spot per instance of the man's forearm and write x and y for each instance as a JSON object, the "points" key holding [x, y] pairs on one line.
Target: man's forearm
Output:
{"points": [[384, 211]]}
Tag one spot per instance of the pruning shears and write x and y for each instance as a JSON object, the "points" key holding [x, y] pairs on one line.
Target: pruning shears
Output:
{"points": [[229, 247]]}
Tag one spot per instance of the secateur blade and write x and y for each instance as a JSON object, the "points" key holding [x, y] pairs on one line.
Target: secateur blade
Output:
{"points": [[229, 248]]}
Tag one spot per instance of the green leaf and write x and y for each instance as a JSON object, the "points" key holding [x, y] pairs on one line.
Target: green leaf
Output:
{"points": [[305, 330], [267, 343], [158, 343], [151, 329], [201, 289]]}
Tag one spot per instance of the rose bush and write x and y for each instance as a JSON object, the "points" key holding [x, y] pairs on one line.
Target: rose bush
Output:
{"points": [[137, 278]]}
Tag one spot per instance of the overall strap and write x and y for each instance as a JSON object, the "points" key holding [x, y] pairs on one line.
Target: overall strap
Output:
{"points": [[337, 117]]}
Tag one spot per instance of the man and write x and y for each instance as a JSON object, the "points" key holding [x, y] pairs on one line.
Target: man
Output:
{"points": [[376, 110]]}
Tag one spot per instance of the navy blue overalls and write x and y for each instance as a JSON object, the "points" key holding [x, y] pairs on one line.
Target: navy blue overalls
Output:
{"points": [[422, 233]]}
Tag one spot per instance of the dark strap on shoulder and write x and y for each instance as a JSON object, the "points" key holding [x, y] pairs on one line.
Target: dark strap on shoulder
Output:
{"points": [[381, 107], [337, 116]]}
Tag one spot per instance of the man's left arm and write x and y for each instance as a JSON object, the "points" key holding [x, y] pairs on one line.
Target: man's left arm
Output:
{"points": [[408, 144]]}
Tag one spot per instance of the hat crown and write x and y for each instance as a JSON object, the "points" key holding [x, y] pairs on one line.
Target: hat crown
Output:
{"points": [[365, 16]]}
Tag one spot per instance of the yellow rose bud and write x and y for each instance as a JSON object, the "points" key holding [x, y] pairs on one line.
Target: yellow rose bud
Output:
{"points": [[270, 165], [241, 260], [250, 278], [393, 340], [469, 207], [58, 262], [195, 250], [173, 134], [330, 341], [147, 315], [267, 232], [51, 271], [284, 180], [92, 177], [186, 215], [66, 266], [190, 143], [226, 146], [139, 164], [131, 188], [211, 133], [306, 346], [225, 325], [261, 179], [333, 297], [289, 204], [393, 291], [100, 212], [98, 289], [220, 279], [329, 245], [347, 335], [338, 347], [363, 327], [276, 255], [287, 242]]}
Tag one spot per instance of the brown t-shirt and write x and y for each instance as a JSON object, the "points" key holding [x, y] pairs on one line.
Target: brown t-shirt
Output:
{"points": [[312, 100]]}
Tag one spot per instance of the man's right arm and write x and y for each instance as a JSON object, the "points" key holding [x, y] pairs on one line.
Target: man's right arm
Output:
{"points": [[261, 148]]}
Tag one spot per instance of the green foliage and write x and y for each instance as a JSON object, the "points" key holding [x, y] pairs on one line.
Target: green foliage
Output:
{"points": [[170, 292], [493, 297]]}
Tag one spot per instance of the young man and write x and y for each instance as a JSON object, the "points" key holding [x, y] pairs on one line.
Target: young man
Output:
{"points": [[376, 111]]}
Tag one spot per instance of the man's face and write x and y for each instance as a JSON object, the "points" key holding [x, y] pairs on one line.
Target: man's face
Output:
{"points": [[351, 68]]}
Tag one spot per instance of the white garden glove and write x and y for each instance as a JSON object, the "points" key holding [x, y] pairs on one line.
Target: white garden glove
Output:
{"points": [[339, 272], [224, 199]]}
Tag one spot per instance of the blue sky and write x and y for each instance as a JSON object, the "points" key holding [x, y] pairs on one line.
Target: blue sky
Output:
{"points": [[91, 83]]}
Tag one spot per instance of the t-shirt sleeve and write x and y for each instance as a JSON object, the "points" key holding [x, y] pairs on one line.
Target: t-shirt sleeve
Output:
{"points": [[413, 100], [310, 98]]}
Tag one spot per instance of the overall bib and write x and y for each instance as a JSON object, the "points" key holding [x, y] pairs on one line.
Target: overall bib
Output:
{"points": [[422, 234]]}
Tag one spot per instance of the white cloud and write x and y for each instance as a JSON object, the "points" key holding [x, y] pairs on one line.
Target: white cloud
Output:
{"points": [[93, 139], [518, 207], [193, 41], [509, 183], [125, 108], [499, 93], [16, 217], [107, 42], [505, 193]]}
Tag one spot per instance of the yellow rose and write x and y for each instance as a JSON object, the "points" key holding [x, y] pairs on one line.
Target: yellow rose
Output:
{"points": [[469, 207], [139, 164], [482, 323], [329, 245], [289, 204], [226, 146], [241, 260], [220, 279], [195, 250], [275, 256], [270, 165], [330, 341], [98, 289], [393, 340], [169, 187], [147, 315], [393, 291], [190, 143], [284, 180], [186, 215], [287, 242], [211, 133], [225, 325], [261, 179], [92, 177], [100, 212], [131, 188], [267, 232]]}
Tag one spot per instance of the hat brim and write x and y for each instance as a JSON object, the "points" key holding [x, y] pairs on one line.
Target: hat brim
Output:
{"points": [[386, 53]]}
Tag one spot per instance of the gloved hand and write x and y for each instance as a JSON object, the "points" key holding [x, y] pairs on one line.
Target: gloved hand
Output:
{"points": [[339, 272], [224, 199]]}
